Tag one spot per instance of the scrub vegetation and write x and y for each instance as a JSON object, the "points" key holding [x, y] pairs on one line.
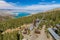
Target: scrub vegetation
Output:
{"points": [[50, 20]]}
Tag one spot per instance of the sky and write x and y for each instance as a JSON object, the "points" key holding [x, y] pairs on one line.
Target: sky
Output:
{"points": [[32, 2], [31, 5]]}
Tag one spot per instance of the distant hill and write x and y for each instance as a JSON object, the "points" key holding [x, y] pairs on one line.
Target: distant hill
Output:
{"points": [[5, 15]]}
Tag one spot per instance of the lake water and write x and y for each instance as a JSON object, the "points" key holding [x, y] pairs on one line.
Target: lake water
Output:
{"points": [[22, 14]]}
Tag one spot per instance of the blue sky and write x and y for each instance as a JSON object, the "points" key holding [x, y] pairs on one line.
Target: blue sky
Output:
{"points": [[32, 5], [32, 2]]}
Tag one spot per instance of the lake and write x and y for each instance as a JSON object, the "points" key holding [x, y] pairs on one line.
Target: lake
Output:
{"points": [[22, 14]]}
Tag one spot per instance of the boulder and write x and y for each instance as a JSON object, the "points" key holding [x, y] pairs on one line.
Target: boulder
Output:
{"points": [[37, 31]]}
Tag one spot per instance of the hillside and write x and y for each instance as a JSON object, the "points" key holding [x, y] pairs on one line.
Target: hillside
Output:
{"points": [[51, 17], [5, 15]]}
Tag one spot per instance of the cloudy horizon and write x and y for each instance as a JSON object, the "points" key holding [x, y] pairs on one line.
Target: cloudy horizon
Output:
{"points": [[34, 5]]}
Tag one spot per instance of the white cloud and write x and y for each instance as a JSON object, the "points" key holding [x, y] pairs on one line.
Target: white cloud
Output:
{"points": [[42, 7], [38, 8], [14, 4], [5, 5], [32, 8]]}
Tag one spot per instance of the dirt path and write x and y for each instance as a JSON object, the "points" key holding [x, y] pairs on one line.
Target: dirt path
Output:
{"points": [[34, 36], [43, 34]]}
